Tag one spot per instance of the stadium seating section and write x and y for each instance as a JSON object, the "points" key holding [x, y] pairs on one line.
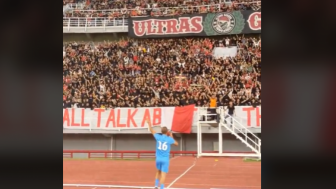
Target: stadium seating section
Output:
{"points": [[159, 72], [125, 8]]}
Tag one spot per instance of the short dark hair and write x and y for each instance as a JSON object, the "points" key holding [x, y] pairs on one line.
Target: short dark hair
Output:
{"points": [[164, 130]]}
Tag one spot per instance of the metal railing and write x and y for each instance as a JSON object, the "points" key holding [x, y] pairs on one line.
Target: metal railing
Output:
{"points": [[207, 115], [241, 132], [96, 24], [249, 138]]}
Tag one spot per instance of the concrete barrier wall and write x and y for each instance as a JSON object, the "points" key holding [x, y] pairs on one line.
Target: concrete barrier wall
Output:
{"points": [[146, 142]]}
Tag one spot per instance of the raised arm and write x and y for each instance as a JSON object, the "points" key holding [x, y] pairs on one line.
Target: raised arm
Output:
{"points": [[171, 135], [150, 128]]}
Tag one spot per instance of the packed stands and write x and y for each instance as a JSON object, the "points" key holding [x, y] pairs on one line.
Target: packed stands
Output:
{"points": [[132, 8], [161, 72], [90, 15], [157, 72]]}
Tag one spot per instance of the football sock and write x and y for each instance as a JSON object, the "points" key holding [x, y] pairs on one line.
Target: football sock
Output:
{"points": [[156, 182], [162, 186]]}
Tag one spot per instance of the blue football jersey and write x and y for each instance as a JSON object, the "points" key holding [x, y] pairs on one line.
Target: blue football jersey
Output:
{"points": [[163, 143]]}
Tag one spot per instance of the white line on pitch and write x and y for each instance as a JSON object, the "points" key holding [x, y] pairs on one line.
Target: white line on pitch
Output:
{"points": [[182, 174], [112, 186]]}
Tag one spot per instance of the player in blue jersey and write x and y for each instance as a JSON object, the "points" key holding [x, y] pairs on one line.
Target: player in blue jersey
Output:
{"points": [[163, 142]]}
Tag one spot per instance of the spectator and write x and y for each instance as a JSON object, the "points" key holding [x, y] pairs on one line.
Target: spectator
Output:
{"points": [[213, 105], [160, 72], [126, 8], [230, 113]]}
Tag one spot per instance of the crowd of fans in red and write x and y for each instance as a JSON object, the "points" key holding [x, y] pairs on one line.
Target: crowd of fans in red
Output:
{"points": [[126, 8], [161, 72]]}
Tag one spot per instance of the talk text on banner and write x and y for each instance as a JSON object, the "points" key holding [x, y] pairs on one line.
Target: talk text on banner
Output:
{"points": [[134, 118], [125, 118]]}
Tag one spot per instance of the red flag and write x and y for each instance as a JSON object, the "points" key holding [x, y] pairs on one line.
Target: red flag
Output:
{"points": [[183, 118]]}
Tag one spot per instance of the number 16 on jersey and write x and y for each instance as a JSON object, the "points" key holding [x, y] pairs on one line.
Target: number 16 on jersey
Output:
{"points": [[162, 146]]}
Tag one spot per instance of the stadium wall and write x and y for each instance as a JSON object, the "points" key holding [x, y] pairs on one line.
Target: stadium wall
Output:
{"points": [[146, 142], [93, 37]]}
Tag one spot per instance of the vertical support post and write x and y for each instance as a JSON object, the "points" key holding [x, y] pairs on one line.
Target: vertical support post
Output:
{"points": [[111, 147], [200, 130], [200, 133], [197, 136], [69, 20], [104, 22], [220, 139], [199, 143], [86, 22]]}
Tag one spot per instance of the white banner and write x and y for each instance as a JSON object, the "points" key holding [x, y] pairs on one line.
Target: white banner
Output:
{"points": [[134, 118], [225, 51], [248, 116]]}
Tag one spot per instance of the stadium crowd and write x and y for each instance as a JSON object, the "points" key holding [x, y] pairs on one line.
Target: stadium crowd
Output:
{"points": [[161, 72], [126, 8]]}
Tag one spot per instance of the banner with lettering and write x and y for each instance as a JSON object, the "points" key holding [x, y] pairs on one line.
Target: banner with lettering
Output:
{"points": [[206, 24], [249, 116], [134, 118]]}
